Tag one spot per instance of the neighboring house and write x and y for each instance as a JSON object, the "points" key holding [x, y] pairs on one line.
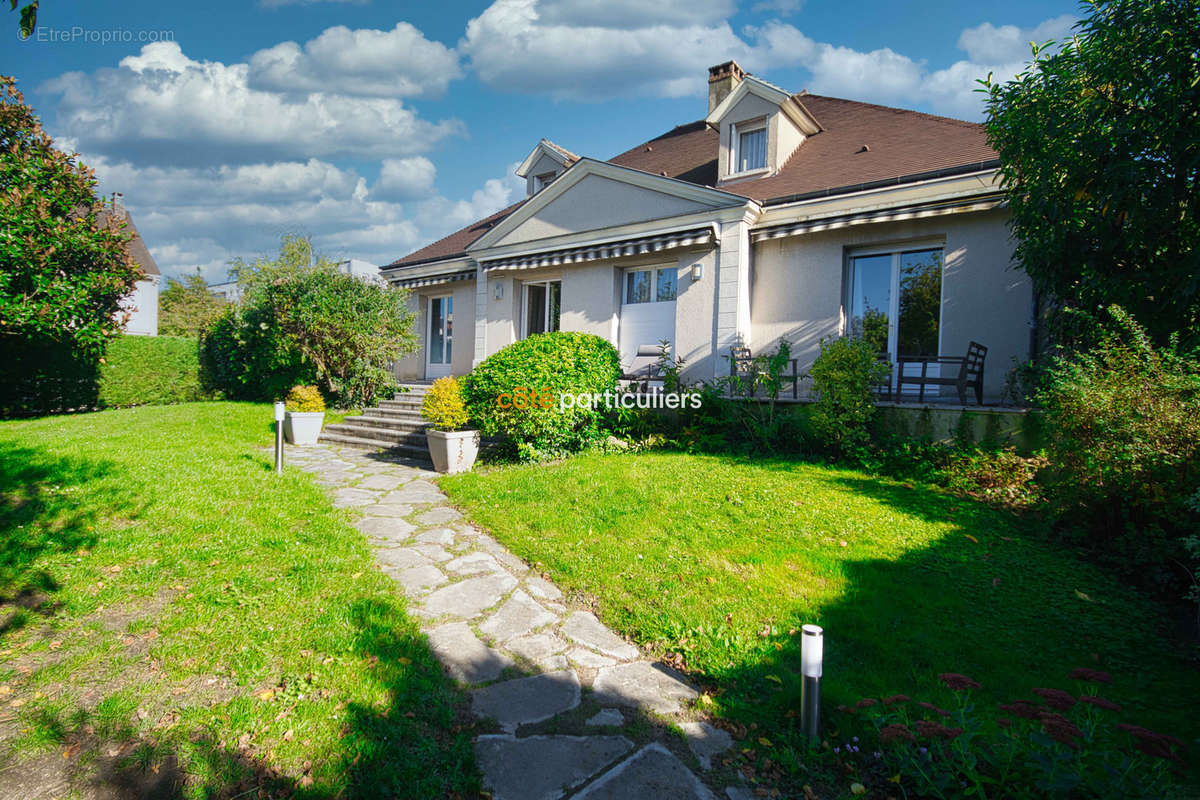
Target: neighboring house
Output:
{"points": [[142, 303], [231, 291], [777, 217]]}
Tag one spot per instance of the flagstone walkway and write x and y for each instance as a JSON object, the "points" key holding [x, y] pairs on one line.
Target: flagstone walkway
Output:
{"points": [[567, 693]]}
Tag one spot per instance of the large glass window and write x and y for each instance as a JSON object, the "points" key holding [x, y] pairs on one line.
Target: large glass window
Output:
{"points": [[751, 149], [650, 285], [543, 306], [894, 301]]}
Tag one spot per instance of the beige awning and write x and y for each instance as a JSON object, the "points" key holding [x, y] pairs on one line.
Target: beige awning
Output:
{"points": [[882, 215], [430, 280], [697, 237]]}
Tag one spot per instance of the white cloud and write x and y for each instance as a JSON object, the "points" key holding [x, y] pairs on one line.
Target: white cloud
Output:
{"points": [[396, 63], [280, 3], [163, 107], [203, 217], [629, 14], [553, 47], [782, 7], [404, 179], [989, 44]]}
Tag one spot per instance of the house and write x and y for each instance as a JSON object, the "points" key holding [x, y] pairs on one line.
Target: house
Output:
{"points": [[777, 217], [231, 291], [141, 305]]}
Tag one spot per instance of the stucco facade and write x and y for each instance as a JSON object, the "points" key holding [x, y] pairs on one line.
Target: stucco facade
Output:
{"points": [[616, 250]]}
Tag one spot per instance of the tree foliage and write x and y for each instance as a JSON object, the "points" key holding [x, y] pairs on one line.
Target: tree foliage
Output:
{"points": [[300, 322], [63, 269], [187, 307], [29, 13], [1099, 144]]}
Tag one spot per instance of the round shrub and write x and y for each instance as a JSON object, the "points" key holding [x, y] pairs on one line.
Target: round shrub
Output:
{"points": [[303, 399], [444, 406], [516, 393]]}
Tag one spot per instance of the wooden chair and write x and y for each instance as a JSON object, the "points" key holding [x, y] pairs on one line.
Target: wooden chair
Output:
{"points": [[968, 376]]}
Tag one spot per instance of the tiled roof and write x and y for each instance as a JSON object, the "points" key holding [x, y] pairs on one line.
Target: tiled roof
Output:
{"points": [[860, 143], [137, 246]]}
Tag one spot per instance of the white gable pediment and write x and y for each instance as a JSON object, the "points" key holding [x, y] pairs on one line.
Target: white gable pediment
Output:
{"points": [[594, 195]]}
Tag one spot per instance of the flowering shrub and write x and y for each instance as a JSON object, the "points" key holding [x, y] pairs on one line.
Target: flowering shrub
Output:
{"points": [[444, 406], [304, 399], [1058, 745]]}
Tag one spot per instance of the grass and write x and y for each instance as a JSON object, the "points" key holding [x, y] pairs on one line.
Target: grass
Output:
{"points": [[721, 560], [170, 610]]}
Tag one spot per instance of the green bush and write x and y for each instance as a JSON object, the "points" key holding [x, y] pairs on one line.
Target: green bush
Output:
{"points": [[844, 377], [150, 370], [304, 400], [515, 392], [1123, 428], [444, 406], [316, 326]]}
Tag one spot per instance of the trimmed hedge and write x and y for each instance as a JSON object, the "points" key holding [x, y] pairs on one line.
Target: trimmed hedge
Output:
{"points": [[151, 370], [515, 393]]}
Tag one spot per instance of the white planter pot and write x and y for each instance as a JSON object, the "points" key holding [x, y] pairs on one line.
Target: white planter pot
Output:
{"points": [[303, 427], [452, 451]]}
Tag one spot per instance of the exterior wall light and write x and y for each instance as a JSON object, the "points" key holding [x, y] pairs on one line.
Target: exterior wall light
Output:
{"points": [[812, 656], [498, 290], [697, 271]]}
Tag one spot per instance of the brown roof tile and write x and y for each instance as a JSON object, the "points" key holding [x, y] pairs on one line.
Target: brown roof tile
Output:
{"points": [[898, 143], [137, 246]]}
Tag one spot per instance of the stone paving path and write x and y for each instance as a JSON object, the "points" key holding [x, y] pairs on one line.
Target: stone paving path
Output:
{"points": [[505, 634]]}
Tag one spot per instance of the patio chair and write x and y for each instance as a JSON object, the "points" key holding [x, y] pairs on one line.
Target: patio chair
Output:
{"points": [[969, 374], [741, 365], [644, 368]]}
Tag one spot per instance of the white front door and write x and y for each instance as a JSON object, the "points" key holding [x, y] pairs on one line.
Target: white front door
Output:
{"points": [[647, 309], [439, 337]]}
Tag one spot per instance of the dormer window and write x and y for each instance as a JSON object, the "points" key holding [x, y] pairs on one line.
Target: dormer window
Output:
{"points": [[750, 150], [542, 181], [543, 164]]}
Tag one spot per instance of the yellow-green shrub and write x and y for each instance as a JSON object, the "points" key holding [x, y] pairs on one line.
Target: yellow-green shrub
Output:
{"points": [[304, 398], [444, 406]]}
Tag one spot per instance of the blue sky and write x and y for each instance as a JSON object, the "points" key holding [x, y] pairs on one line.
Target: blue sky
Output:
{"points": [[377, 127]]}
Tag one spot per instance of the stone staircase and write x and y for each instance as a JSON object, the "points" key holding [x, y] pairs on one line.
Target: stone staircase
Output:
{"points": [[395, 425]]}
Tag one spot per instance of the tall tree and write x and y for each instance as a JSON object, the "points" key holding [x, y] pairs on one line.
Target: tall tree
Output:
{"points": [[186, 307], [63, 272], [1099, 144], [296, 256]]}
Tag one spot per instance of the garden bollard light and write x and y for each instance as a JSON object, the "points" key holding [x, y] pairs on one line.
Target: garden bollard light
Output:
{"points": [[279, 437], [812, 653]]}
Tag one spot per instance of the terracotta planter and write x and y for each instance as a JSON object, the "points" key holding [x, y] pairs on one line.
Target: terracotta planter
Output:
{"points": [[452, 451], [303, 427]]}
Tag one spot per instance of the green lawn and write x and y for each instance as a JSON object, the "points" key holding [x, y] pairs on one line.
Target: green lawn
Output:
{"points": [[721, 559], [173, 612]]}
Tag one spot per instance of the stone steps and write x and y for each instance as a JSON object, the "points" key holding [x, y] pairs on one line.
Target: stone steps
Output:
{"points": [[394, 425]]}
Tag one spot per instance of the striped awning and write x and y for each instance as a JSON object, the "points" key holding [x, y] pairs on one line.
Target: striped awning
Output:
{"points": [[696, 237], [430, 280], [882, 215]]}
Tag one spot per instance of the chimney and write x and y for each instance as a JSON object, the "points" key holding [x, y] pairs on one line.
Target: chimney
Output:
{"points": [[722, 79]]}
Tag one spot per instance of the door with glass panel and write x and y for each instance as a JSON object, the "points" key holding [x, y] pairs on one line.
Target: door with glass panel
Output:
{"points": [[894, 301], [647, 309], [542, 307], [439, 340]]}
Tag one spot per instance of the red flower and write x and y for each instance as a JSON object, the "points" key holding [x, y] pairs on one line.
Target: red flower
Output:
{"points": [[1099, 702], [1026, 709], [936, 730], [896, 698], [1056, 698], [895, 733], [1004, 722], [939, 711], [847, 709], [1092, 675], [866, 702], [957, 682], [1145, 734]]}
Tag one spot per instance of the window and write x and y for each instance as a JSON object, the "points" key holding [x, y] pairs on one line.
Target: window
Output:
{"points": [[650, 285], [894, 301], [750, 152], [543, 307], [542, 181]]}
